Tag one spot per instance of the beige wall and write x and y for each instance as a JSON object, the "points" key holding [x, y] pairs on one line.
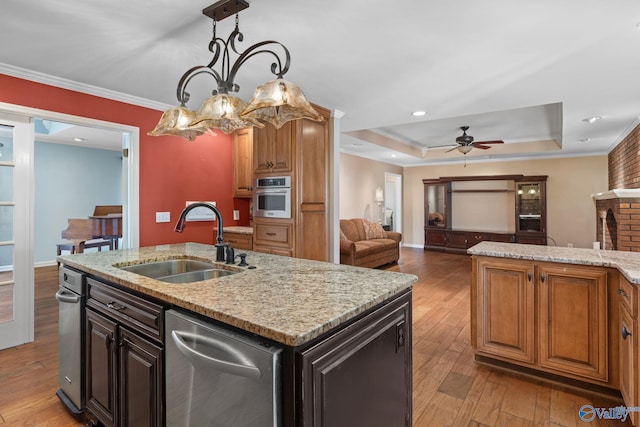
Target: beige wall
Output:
{"points": [[571, 215], [359, 178]]}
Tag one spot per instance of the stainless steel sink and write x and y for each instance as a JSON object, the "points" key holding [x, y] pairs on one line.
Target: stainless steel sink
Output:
{"points": [[179, 270]]}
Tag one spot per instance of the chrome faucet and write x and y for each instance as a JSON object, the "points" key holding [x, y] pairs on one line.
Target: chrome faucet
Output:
{"points": [[183, 216]]}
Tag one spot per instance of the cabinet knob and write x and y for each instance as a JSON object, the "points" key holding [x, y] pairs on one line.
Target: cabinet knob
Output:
{"points": [[625, 333], [529, 276], [622, 293], [542, 277], [112, 305]]}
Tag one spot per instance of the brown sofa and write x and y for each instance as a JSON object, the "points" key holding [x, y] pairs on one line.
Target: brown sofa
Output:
{"points": [[366, 244]]}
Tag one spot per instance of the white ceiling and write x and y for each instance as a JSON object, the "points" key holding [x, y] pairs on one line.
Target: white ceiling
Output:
{"points": [[526, 72]]}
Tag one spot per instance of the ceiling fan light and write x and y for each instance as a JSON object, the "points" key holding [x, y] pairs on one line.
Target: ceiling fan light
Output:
{"points": [[464, 149], [222, 112], [279, 101], [175, 121]]}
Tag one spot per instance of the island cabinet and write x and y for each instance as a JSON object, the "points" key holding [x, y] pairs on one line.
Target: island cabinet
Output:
{"points": [[627, 300], [124, 358], [546, 316], [243, 163], [359, 376]]}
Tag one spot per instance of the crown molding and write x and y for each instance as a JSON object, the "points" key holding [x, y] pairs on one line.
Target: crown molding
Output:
{"points": [[50, 80]]}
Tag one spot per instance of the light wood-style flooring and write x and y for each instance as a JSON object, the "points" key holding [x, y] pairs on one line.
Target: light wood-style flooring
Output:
{"points": [[449, 389]]}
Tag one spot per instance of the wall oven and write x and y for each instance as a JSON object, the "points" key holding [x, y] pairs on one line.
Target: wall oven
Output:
{"points": [[272, 197]]}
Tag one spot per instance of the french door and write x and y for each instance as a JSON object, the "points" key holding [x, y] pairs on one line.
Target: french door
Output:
{"points": [[16, 253]]}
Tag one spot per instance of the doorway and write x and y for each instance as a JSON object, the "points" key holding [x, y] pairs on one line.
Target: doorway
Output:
{"points": [[393, 201], [18, 213]]}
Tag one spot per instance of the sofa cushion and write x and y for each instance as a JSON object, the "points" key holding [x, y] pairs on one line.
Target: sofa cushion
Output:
{"points": [[368, 247], [373, 230], [386, 243]]}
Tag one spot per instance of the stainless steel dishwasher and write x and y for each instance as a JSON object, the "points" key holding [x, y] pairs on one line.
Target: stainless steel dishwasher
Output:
{"points": [[71, 300], [218, 377]]}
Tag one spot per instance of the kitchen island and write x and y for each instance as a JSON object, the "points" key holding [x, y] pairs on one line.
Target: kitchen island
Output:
{"points": [[563, 314], [316, 312]]}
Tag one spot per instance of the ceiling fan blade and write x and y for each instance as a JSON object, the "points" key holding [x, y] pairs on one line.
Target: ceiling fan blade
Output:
{"points": [[442, 146], [454, 148], [490, 142], [480, 146]]}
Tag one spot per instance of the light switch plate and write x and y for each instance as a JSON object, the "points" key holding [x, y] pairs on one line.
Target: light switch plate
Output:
{"points": [[236, 215], [163, 216]]}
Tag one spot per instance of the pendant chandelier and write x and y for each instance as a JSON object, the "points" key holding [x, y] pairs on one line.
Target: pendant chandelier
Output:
{"points": [[275, 102]]}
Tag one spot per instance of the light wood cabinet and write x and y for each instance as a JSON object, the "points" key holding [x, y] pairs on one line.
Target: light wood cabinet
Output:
{"points": [[628, 346], [273, 149], [243, 163], [505, 309], [300, 148], [239, 240], [273, 236], [572, 332], [546, 316]]}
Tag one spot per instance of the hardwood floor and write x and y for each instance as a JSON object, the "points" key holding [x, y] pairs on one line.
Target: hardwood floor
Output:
{"points": [[449, 389]]}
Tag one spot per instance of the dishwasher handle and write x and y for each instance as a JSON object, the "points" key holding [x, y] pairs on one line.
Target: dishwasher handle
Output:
{"points": [[244, 369], [67, 296]]}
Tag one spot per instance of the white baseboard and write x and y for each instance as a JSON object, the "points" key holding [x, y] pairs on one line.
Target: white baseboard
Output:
{"points": [[412, 245], [45, 263]]}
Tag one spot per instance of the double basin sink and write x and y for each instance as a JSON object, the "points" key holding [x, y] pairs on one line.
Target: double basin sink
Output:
{"points": [[179, 270]]}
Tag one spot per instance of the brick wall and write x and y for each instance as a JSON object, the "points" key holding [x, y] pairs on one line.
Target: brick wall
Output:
{"points": [[622, 222], [624, 162]]}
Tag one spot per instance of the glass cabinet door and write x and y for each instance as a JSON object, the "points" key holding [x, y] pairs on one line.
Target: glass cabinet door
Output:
{"points": [[529, 206], [436, 206]]}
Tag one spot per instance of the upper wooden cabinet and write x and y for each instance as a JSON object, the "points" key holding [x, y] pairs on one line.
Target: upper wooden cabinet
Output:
{"points": [[273, 149], [243, 163], [300, 149]]}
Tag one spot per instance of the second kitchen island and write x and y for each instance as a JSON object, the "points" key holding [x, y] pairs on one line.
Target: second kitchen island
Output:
{"points": [[344, 335]]}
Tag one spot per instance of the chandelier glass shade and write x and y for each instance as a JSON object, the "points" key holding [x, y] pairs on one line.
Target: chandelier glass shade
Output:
{"points": [[275, 102]]}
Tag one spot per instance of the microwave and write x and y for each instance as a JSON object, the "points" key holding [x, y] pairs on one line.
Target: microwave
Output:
{"points": [[272, 197]]}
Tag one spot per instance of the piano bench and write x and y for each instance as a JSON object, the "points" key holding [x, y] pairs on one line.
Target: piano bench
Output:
{"points": [[94, 243]]}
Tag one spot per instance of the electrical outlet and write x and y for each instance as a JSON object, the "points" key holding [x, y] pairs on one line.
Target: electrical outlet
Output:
{"points": [[236, 215], [163, 216]]}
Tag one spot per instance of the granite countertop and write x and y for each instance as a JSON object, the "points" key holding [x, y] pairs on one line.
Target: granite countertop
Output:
{"points": [[288, 300], [628, 263], [240, 229]]}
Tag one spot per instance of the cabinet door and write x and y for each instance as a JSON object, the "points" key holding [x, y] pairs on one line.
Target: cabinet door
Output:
{"points": [[572, 324], [273, 149], [505, 309], [140, 381], [243, 163], [435, 237], [361, 376], [101, 367], [628, 360]]}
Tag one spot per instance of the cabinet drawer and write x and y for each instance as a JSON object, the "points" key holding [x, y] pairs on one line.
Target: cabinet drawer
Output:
{"points": [[273, 234], [436, 237], [141, 315], [457, 239], [627, 293], [239, 240]]}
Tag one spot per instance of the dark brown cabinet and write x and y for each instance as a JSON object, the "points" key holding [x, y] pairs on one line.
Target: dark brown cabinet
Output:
{"points": [[361, 376], [441, 233], [531, 211], [124, 358]]}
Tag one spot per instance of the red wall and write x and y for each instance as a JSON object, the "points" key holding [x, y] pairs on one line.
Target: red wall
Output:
{"points": [[172, 169]]}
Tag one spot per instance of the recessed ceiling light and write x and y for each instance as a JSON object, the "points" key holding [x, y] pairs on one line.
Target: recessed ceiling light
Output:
{"points": [[418, 113], [584, 139], [591, 119], [357, 144], [394, 155], [76, 139]]}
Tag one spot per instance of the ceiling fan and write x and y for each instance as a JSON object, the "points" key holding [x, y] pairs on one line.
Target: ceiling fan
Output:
{"points": [[465, 142]]}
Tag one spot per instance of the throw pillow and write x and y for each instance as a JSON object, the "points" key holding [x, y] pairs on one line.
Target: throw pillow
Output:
{"points": [[373, 230]]}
